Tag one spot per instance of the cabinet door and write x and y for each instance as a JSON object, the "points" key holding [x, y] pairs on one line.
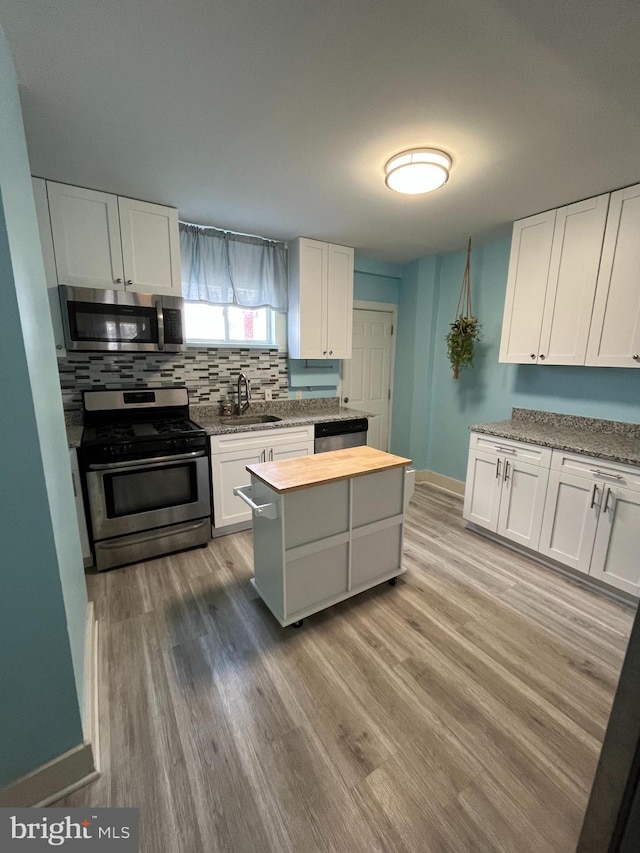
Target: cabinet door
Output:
{"points": [[49, 260], [617, 545], [80, 512], [150, 247], [229, 470], [573, 274], [312, 299], [482, 489], [524, 488], [526, 287], [570, 519], [289, 451], [339, 301], [86, 237], [614, 338]]}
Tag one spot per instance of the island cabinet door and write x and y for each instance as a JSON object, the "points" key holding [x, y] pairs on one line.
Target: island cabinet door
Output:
{"points": [[229, 470], [524, 487], [570, 519], [482, 489], [617, 546]]}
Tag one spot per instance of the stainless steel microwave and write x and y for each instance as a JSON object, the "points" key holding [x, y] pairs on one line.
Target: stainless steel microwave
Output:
{"points": [[120, 321]]}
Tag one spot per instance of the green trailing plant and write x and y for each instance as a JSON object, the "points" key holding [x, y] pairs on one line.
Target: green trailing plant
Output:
{"points": [[461, 341], [465, 330]]}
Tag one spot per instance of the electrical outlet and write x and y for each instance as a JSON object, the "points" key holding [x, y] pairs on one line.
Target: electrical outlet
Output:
{"points": [[298, 395], [268, 393]]}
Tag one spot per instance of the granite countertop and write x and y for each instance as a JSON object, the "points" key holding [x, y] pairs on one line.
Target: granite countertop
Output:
{"points": [[292, 412], [616, 441]]}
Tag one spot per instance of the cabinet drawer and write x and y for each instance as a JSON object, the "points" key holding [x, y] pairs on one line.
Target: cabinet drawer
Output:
{"points": [[260, 438], [596, 469], [534, 454]]}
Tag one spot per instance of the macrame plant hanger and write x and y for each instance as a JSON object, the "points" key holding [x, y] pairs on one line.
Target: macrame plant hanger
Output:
{"points": [[465, 329], [465, 292]]}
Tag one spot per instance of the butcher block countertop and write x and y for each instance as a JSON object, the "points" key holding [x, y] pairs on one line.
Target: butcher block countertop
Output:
{"points": [[302, 472]]}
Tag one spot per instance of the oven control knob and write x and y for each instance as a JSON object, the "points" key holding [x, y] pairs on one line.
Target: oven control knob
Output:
{"points": [[179, 442]]}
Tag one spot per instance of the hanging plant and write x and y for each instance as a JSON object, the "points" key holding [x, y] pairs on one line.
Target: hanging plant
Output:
{"points": [[465, 330]]}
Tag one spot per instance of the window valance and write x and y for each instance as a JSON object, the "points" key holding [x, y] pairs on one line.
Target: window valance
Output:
{"points": [[224, 268]]}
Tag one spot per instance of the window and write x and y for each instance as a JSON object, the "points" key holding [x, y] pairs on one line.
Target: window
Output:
{"points": [[219, 325]]}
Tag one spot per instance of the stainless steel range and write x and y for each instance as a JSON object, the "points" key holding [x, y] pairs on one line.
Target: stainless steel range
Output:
{"points": [[147, 474]]}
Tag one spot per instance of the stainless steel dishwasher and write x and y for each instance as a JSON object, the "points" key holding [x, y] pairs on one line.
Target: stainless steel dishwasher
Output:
{"points": [[336, 435]]}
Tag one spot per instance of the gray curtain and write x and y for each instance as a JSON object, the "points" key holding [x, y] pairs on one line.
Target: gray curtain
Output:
{"points": [[224, 268]]}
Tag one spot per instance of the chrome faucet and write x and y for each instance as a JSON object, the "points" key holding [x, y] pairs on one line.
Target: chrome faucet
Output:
{"points": [[243, 378]]}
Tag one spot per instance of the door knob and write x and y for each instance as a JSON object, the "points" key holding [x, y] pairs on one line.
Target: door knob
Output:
{"points": [[118, 281], [129, 281], [542, 356], [533, 355], [636, 357]]}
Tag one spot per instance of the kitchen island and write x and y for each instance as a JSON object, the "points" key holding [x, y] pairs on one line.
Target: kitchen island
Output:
{"points": [[326, 527]]}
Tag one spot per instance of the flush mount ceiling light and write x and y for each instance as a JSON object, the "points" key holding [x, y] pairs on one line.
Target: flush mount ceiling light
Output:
{"points": [[419, 170]]}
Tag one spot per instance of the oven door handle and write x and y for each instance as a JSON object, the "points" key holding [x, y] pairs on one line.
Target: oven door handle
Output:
{"points": [[146, 463]]}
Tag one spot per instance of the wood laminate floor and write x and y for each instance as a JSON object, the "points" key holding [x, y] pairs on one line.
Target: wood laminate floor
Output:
{"points": [[462, 710]]}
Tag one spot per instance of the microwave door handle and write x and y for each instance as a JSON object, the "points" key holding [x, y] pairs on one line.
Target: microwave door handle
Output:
{"points": [[160, 316]]}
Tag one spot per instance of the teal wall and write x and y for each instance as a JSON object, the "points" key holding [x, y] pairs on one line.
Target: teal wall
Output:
{"points": [[432, 411], [42, 590]]}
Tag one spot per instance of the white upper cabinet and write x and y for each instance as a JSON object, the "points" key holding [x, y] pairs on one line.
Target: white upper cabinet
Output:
{"points": [[150, 246], [49, 261], [320, 299], [526, 286], [573, 274], [553, 270], [105, 241], [86, 237], [614, 338]]}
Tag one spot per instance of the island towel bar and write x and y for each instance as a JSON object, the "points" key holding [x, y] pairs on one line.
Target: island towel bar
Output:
{"points": [[268, 510]]}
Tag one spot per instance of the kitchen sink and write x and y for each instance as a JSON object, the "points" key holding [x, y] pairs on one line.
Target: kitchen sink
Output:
{"points": [[248, 420]]}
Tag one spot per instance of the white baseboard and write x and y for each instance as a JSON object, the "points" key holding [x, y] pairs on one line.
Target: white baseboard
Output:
{"points": [[77, 767], [447, 484], [90, 711], [52, 781]]}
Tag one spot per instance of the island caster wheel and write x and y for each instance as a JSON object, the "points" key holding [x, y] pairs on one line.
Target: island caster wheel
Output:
{"points": [[393, 581], [298, 624]]}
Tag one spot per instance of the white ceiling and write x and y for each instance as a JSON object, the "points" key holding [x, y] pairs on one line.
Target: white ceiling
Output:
{"points": [[275, 117]]}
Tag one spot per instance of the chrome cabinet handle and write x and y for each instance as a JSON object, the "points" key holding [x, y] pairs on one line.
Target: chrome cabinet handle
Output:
{"points": [[506, 470], [263, 456], [498, 461], [594, 494], [606, 499], [73, 480], [271, 454], [606, 474], [505, 449]]}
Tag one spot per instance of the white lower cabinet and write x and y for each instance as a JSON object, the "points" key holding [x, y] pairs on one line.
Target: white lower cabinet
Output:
{"points": [[87, 557], [506, 487], [592, 519], [232, 452], [578, 510]]}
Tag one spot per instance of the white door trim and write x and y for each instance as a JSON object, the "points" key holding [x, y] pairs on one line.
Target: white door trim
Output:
{"points": [[388, 308]]}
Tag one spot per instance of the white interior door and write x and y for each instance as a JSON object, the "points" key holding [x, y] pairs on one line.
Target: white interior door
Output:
{"points": [[366, 377]]}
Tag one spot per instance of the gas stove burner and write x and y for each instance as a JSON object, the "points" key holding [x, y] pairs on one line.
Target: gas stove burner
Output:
{"points": [[114, 432], [174, 427]]}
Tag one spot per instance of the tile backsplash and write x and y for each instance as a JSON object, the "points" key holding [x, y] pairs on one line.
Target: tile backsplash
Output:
{"points": [[209, 374]]}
